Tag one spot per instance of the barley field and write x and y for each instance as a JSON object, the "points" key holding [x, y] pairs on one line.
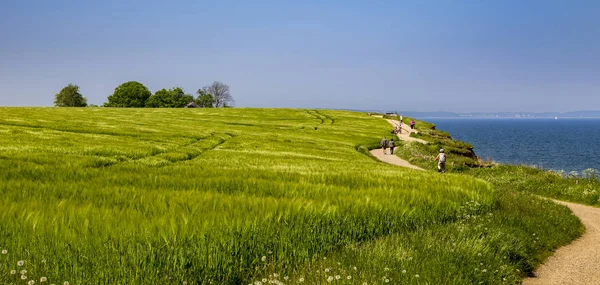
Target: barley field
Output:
{"points": [[214, 196]]}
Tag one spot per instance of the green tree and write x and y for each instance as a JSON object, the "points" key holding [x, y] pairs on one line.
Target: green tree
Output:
{"points": [[172, 98], [205, 99], [129, 94], [220, 93], [70, 97]]}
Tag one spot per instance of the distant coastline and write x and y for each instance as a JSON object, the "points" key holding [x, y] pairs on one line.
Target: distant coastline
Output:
{"points": [[574, 114], [558, 115]]}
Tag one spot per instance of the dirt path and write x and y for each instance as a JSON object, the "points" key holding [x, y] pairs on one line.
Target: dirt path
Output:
{"points": [[405, 132], [392, 159], [578, 262]]}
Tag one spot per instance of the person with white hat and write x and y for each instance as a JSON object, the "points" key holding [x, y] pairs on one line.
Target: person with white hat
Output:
{"points": [[441, 158]]}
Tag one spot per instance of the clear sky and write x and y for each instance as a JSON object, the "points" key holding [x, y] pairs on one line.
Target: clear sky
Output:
{"points": [[504, 55]]}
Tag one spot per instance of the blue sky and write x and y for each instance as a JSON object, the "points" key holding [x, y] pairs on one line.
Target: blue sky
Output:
{"points": [[522, 55]]}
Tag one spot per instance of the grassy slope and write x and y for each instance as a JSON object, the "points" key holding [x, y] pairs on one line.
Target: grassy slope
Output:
{"points": [[98, 195]]}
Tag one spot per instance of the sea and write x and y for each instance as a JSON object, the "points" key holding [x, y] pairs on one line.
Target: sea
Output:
{"points": [[559, 144]]}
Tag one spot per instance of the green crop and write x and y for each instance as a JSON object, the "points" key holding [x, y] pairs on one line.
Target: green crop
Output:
{"points": [[138, 196], [239, 196]]}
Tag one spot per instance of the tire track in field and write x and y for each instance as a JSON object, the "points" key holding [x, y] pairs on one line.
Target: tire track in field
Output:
{"points": [[315, 115], [331, 120]]}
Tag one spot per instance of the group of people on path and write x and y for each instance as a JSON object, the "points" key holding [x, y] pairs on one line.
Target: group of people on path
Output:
{"points": [[385, 144], [441, 157]]}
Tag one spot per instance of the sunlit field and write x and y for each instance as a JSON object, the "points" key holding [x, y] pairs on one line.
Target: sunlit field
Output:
{"points": [[229, 196]]}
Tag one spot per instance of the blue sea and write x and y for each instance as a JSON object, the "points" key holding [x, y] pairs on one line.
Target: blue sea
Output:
{"points": [[568, 144]]}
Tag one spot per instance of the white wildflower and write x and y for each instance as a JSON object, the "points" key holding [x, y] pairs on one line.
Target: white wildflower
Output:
{"points": [[4, 251], [23, 277], [337, 277], [349, 277], [264, 258], [31, 282], [330, 278], [23, 272], [20, 262], [43, 279], [417, 275]]}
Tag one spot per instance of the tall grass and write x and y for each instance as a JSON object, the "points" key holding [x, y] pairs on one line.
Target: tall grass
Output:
{"points": [[159, 196]]}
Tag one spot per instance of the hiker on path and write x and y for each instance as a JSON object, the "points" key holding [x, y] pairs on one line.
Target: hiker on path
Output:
{"points": [[412, 124], [441, 158], [384, 144], [392, 145]]}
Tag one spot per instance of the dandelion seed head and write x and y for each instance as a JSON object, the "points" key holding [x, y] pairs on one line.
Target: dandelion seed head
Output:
{"points": [[404, 271], [20, 262], [264, 258], [23, 277], [326, 269], [387, 280], [386, 269], [337, 277], [301, 279], [264, 280], [23, 272], [330, 278], [66, 283], [417, 275], [31, 282], [348, 277], [43, 279], [4, 251], [13, 272]]}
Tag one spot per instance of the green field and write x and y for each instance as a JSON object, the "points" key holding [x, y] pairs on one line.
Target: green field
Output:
{"points": [[240, 196]]}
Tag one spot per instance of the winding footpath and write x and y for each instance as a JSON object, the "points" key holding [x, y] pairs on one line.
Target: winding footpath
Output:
{"points": [[577, 263]]}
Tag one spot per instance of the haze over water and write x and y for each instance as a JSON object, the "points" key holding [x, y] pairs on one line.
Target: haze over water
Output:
{"points": [[567, 144]]}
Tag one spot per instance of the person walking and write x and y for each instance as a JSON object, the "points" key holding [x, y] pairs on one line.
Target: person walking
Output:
{"points": [[384, 144], [392, 145], [412, 124], [441, 158]]}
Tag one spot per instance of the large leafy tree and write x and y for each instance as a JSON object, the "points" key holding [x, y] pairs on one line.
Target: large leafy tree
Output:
{"points": [[172, 98], [220, 93], [129, 94], [69, 96], [205, 99]]}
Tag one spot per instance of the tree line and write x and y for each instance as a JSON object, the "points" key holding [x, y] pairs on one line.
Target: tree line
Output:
{"points": [[133, 94]]}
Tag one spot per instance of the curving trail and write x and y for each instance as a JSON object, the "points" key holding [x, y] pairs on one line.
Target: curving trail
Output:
{"points": [[578, 262], [392, 159]]}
